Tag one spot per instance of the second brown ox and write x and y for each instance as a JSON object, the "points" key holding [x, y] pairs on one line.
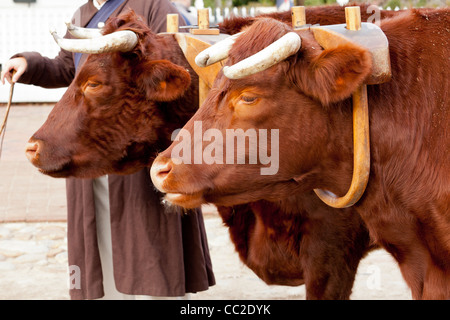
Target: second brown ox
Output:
{"points": [[406, 205]]}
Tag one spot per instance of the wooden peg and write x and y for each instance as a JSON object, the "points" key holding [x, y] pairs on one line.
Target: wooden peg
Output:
{"points": [[203, 19], [353, 18], [298, 16], [172, 22], [203, 23]]}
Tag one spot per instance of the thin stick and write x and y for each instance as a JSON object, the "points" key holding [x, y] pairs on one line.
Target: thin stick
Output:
{"points": [[8, 107]]}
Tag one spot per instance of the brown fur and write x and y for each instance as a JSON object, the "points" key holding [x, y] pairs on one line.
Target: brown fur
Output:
{"points": [[300, 240], [406, 204], [322, 15]]}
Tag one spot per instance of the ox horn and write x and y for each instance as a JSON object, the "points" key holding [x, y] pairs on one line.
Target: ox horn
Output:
{"points": [[83, 33], [123, 41], [216, 52], [276, 52]]}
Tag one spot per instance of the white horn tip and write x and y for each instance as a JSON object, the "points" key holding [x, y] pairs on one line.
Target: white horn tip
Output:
{"points": [[229, 74], [52, 30], [202, 59]]}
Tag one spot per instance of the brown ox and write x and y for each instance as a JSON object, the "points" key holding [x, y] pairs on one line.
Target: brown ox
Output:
{"points": [[406, 205], [117, 114], [120, 108]]}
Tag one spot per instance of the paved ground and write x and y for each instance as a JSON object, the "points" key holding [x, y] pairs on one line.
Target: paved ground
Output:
{"points": [[33, 265], [33, 244], [27, 195]]}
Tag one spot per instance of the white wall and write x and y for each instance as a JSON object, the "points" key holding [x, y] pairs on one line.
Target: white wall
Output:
{"points": [[24, 27]]}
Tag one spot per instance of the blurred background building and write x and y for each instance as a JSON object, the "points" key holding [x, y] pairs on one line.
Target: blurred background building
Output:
{"points": [[24, 26]]}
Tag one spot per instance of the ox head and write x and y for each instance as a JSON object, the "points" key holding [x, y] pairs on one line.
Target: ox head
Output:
{"points": [[285, 109], [125, 100]]}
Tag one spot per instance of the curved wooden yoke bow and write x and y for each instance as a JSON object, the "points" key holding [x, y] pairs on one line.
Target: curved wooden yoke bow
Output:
{"points": [[372, 37]]}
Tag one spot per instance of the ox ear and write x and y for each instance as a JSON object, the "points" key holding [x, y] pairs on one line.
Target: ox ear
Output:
{"points": [[162, 80], [334, 74]]}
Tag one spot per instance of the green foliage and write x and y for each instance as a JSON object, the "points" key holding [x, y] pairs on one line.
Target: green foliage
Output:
{"points": [[208, 3], [240, 3], [393, 4], [318, 2]]}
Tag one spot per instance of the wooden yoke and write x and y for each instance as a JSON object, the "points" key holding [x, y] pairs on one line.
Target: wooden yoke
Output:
{"points": [[369, 36], [195, 42]]}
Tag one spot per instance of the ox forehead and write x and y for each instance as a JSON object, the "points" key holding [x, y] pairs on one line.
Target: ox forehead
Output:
{"points": [[122, 105]]}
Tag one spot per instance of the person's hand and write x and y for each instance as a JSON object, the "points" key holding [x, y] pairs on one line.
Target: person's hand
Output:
{"points": [[19, 65]]}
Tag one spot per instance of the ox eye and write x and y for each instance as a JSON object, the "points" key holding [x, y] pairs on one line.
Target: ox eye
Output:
{"points": [[92, 84], [247, 99]]}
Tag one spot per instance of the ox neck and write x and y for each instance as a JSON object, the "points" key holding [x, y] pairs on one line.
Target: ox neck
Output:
{"points": [[334, 168], [299, 203]]}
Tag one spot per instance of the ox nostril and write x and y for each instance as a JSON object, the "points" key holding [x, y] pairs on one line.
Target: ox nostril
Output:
{"points": [[164, 170], [31, 149], [159, 171]]}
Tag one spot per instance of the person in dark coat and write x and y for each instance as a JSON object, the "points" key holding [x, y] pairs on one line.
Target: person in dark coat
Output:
{"points": [[121, 240]]}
